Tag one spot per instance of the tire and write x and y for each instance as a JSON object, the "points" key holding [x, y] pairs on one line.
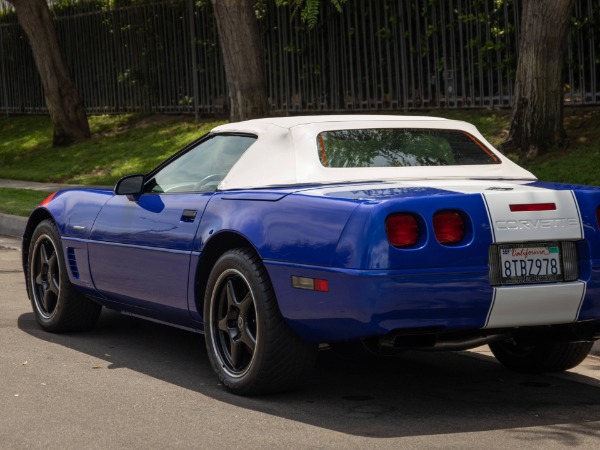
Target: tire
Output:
{"points": [[250, 347], [540, 358], [57, 306]]}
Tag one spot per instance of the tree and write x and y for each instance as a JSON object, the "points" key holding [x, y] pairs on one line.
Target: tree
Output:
{"points": [[537, 124], [309, 9], [62, 99], [242, 51], [243, 58]]}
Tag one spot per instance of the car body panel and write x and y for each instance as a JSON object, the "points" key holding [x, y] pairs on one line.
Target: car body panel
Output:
{"points": [[146, 254]]}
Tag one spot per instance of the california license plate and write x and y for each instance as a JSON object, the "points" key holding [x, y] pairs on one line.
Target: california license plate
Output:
{"points": [[538, 262]]}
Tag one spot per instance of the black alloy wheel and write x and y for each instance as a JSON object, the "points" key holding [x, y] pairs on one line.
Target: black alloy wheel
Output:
{"points": [[234, 314], [45, 277], [251, 348], [56, 304]]}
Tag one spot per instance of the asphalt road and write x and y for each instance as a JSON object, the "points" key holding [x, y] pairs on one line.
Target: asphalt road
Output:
{"points": [[136, 384]]}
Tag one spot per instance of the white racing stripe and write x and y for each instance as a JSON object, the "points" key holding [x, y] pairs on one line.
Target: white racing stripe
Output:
{"points": [[530, 305], [541, 304], [564, 223]]}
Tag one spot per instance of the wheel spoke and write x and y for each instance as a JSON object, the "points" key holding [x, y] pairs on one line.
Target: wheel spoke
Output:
{"points": [[39, 280], [52, 262], [43, 255], [245, 304], [235, 353], [223, 324], [53, 286], [53, 275], [248, 340], [49, 300], [231, 295]]}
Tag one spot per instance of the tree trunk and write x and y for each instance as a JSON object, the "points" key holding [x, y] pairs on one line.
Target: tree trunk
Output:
{"points": [[537, 120], [63, 102], [243, 58]]}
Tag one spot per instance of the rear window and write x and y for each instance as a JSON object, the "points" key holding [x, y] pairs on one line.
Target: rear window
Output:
{"points": [[401, 147]]}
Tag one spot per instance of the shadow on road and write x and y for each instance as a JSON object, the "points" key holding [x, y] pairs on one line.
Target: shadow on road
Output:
{"points": [[417, 394]]}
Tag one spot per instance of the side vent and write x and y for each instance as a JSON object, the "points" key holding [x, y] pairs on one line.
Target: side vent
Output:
{"points": [[72, 261]]}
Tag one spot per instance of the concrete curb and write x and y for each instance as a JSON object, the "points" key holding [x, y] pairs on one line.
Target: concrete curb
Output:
{"points": [[12, 225]]}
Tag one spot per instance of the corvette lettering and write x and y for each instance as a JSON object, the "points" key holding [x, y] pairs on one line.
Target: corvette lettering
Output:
{"points": [[529, 224]]}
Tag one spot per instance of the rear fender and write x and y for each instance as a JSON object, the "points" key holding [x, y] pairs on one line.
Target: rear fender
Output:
{"points": [[364, 243]]}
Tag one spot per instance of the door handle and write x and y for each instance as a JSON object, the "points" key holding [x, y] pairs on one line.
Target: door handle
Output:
{"points": [[189, 215]]}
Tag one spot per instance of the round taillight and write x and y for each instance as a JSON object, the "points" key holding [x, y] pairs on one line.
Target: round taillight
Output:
{"points": [[449, 227], [402, 230]]}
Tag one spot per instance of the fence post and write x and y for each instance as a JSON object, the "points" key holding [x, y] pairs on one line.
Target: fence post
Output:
{"points": [[194, 57], [3, 74]]}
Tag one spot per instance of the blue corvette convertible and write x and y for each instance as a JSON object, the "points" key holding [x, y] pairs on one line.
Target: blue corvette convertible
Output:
{"points": [[383, 233]]}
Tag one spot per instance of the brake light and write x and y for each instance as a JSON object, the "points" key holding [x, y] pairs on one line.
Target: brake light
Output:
{"points": [[525, 207], [449, 227], [47, 199], [402, 230]]}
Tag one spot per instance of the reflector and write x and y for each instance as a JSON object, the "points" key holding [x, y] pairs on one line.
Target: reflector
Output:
{"points": [[47, 199], [312, 284]]}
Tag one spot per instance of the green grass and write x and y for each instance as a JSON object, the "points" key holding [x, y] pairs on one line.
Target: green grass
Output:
{"points": [[120, 145], [133, 143], [578, 163], [20, 202]]}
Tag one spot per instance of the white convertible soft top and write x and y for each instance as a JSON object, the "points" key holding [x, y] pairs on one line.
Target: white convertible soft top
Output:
{"points": [[285, 153]]}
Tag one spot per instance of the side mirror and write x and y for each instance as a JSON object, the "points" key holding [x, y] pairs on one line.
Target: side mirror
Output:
{"points": [[130, 185]]}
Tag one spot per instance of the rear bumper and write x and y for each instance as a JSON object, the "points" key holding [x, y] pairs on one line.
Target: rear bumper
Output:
{"points": [[368, 303]]}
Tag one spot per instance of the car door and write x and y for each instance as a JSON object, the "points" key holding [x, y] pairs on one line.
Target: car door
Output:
{"points": [[140, 246]]}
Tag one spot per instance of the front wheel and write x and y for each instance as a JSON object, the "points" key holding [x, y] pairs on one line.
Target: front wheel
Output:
{"points": [[57, 306], [540, 358], [250, 346]]}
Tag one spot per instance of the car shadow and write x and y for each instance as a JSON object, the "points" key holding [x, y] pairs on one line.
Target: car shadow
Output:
{"points": [[412, 395]]}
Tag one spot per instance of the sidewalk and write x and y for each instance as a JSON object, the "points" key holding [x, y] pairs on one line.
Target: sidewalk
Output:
{"points": [[45, 187], [15, 225]]}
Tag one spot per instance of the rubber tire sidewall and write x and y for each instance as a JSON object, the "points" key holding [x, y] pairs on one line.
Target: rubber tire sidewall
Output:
{"points": [[540, 358]]}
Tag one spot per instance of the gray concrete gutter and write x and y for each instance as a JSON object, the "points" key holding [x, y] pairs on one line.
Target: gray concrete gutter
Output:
{"points": [[15, 225], [12, 225], [45, 187]]}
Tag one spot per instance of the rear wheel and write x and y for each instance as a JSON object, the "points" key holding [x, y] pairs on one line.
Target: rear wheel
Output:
{"points": [[250, 346], [57, 306], [540, 358]]}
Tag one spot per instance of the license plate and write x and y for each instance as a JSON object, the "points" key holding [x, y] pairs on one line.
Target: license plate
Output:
{"points": [[538, 262]]}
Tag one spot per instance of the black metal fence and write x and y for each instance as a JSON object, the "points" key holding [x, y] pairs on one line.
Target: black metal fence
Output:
{"points": [[163, 56]]}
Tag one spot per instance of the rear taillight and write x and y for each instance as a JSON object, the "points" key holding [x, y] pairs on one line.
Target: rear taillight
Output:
{"points": [[449, 227], [402, 230]]}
